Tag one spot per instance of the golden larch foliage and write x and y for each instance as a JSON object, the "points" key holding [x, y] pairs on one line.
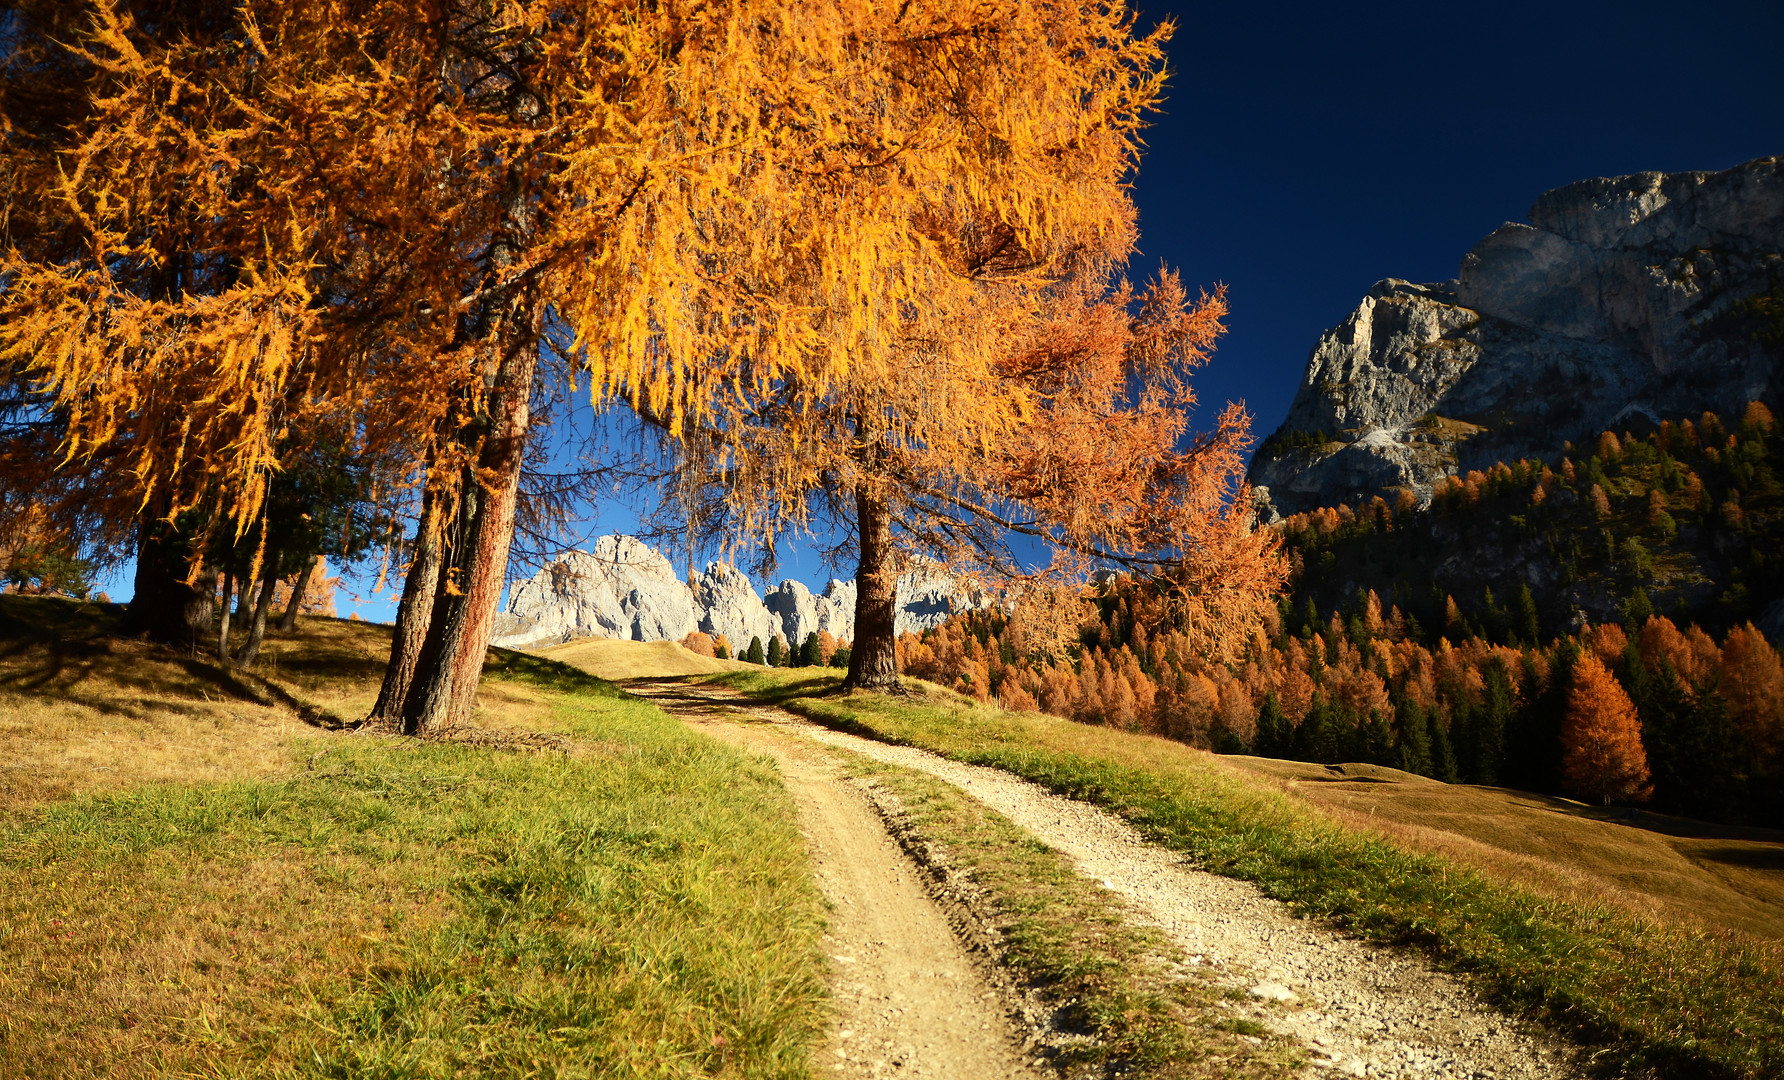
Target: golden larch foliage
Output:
{"points": [[1753, 684], [1601, 737]]}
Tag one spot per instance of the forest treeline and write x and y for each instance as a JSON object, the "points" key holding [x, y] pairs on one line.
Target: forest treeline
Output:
{"points": [[1489, 690]]}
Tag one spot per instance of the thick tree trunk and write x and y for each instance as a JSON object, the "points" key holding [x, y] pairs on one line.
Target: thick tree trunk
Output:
{"points": [[873, 659], [165, 608], [288, 620], [414, 615], [263, 602], [451, 662]]}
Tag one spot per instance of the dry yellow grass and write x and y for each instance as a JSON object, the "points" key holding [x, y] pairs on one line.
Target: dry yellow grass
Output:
{"points": [[196, 883], [607, 658], [82, 710], [93, 713], [1676, 870]]}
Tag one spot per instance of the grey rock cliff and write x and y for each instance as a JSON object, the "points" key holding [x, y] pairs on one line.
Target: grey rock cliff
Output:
{"points": [[1618, 303], [625, 589], [622, 589]]}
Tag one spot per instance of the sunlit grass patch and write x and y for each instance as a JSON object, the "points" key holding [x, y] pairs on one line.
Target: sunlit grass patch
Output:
{"points": [[379, 907]]}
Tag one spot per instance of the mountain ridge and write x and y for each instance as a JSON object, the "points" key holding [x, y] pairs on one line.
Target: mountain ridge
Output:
{"points": [[1622, 301]]}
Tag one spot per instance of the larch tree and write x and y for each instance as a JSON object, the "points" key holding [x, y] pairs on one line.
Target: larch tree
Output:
{"points": [[1601, 738], [288, 211], [1753, 685], [967, 416], [1076, 437]]}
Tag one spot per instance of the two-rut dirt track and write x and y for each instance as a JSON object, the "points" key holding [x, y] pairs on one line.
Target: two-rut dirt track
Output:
{"points": [[911, 1000]]}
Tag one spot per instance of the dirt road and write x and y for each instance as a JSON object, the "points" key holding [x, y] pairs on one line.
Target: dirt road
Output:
{"points": [[1358, 1009], [909, 1000]]}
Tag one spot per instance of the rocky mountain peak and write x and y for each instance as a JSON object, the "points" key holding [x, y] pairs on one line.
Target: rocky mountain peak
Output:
{"points": [[1622, 300], [626, 589]]}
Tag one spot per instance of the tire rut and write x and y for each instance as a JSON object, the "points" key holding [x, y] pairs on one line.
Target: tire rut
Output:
{"points": [[908, 998]]}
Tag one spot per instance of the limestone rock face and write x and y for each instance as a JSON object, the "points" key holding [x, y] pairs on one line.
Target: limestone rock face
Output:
{"points": [[927, 599], [1620, 301], [729, 606], [624, 589], [801, 612]]}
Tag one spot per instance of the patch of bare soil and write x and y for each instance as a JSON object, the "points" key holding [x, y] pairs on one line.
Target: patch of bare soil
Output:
{"points": [[909, 998], [1358, 1009]]}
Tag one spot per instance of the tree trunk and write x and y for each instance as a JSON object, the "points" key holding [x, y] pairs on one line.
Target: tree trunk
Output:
{"points": [[263, 602], [165, 608], [414, 615], [451, 661], [223, 618], [244, 599], [288, 620], [873, 659]]}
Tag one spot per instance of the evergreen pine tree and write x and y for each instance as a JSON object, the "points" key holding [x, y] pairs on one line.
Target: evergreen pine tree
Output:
{"points": [[777, 656], [811, 653], [1443, 755], [1532, 759], [1498, 706], [1275, 735], [1316, 738], [1529, 627], [754, 655], [1375, 741], [1411, 736]]}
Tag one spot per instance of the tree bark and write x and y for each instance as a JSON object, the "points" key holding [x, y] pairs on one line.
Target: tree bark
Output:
{"points": [[223, 618], [263, 602], [451, 662], [288, 620], [414, 615], [165, 608], [873, 659]]}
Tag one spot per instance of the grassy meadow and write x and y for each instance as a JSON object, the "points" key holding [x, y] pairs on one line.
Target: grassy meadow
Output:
{"points": [[1533, 914], [194, 882]]}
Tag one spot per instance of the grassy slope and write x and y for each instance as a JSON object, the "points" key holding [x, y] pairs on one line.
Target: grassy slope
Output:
{"points": [[611, 659], [1720, 877], [228, 892], [1656, 995]]}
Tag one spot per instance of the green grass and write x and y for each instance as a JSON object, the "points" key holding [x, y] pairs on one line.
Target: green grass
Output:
{"points": [[641, 906], [1650, 998], [1121, 988]]}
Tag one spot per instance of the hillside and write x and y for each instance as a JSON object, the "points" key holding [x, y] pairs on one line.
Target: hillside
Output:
{"points": [[1691, 526], [196, 881], [1444, 640], [200, 873]]}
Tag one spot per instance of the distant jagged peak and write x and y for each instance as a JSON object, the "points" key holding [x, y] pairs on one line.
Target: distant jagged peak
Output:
{"points": [[624, 588], [1622, 297]]}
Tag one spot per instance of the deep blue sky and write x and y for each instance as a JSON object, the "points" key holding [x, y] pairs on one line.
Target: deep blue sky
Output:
{"points": [[1309, 150]]}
